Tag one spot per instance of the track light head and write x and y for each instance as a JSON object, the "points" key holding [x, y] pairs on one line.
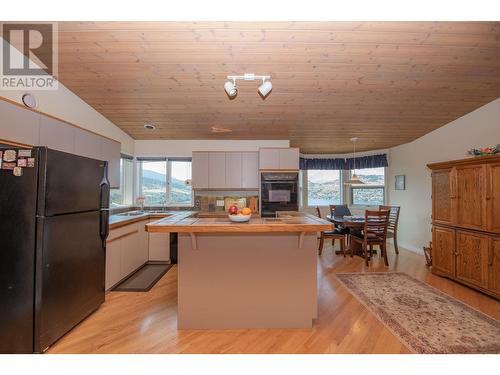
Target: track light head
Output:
{"points": [[231, 89], [265, 88]]}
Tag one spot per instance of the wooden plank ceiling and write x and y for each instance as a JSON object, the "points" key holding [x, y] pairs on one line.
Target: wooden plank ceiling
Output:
{"points": [[385, 82]]}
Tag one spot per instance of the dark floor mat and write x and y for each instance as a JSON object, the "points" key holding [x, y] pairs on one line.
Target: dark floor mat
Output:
{"points": [[143, 279]]}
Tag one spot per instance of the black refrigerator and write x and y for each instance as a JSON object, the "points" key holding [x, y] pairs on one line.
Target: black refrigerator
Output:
{"points": [[53, 227]]}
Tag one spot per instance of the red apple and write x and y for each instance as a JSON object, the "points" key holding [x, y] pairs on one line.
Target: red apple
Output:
{"points": [[233, 210]]}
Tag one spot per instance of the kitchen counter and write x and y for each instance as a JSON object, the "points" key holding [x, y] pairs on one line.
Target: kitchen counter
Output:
{"points": [[126, 218], [195, 224], [260, 274]]}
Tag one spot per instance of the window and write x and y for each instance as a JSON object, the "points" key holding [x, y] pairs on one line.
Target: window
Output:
{"points": [[123, 195], [323, 187], [164, 183], [180, 193], [153, 182], [372, 193]]}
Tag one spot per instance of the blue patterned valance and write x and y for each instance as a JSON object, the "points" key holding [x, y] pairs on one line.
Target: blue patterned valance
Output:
{"points": [[371, 161]]}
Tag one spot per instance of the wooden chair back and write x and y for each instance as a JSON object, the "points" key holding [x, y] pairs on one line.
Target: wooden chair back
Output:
{"points": [[393, 216], [339, 210], [376, 223], [318, 212]]}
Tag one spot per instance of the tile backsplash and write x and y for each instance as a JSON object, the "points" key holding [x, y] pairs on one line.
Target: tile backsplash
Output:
{"points": [[216, 201]]}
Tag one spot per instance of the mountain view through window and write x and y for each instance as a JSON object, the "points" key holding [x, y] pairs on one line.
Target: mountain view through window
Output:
{"points": [[154, 183], [323, 187]]}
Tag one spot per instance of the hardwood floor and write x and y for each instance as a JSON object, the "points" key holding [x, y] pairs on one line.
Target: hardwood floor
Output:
{"points": [[130, 322]]}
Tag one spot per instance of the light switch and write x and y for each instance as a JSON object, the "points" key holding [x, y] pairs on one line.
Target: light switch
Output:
{"points": [[220, 203]]}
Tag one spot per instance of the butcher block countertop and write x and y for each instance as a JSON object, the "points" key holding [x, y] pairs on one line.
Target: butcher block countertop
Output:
{"points": [[121, 220], [193, 224]]}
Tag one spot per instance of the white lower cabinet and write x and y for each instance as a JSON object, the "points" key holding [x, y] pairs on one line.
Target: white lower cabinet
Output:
{"points": [[126, 251], [159, 246], [113, 263]]}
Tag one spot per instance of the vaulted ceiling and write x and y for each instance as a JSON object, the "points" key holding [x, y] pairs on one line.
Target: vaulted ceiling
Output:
{"points": [[385, 82]]}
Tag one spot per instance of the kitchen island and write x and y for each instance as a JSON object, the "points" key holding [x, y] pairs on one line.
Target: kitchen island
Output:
{"points": [[260, 274]]}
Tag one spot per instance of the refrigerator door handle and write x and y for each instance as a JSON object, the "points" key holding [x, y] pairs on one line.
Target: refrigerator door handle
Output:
{"points": [[105, 188], [104, 232]]}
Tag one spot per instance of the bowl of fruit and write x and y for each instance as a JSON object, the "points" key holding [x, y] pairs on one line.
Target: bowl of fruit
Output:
{"points": [[239, 216]]}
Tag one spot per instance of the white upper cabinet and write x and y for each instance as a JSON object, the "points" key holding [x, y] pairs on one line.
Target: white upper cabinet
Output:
{"points": [[289, 158], [88, 144], [250, 170], [269, 158], [217, 170], [233, 170], [57, 135], [94, 146], [111, 153], [279, 158], [18, 124], [21, 125], [200, 170], [225, 170]]}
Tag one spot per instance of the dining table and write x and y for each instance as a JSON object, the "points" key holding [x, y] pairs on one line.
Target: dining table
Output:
{"points": [[353, 223]]}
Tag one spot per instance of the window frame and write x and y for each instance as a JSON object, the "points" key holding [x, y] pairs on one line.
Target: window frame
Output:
{"points": [[168, 179], [306, 188], [367, 186], [169, 182]]}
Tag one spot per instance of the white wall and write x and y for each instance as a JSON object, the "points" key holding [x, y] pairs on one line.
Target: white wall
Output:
{"points": [[479, 128], [64, 104], [186, 147]]}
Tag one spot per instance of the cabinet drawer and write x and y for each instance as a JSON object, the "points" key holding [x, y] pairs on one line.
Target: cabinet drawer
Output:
{"points": [[120, 232]]}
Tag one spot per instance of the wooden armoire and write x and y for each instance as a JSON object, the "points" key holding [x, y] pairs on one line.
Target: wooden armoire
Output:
{"points": [[466, 222]]}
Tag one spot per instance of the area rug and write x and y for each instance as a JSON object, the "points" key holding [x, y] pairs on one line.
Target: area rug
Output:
{"points": [[425, 319], [144, 278]]}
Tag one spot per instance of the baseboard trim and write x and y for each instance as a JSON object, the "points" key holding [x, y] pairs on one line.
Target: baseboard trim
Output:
{"points": [[412, 248]]}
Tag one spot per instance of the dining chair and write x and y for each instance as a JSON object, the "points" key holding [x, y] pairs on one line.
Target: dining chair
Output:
{"points": [[340, 210], [392, 228], [333, 234], [374, 233]]}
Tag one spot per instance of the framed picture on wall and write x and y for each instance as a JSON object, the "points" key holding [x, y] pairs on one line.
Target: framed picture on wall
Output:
{"points": [[400, 183]]}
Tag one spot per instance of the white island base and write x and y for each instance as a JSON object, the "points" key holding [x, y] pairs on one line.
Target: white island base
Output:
{"points": [[247, 280]]}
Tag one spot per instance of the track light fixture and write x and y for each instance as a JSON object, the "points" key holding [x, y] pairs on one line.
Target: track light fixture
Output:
{"points": [[232, 90], [265, 88]]}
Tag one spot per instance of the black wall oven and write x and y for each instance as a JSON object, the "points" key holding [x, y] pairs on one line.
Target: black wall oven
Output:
{"points": [[278, 192]]}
